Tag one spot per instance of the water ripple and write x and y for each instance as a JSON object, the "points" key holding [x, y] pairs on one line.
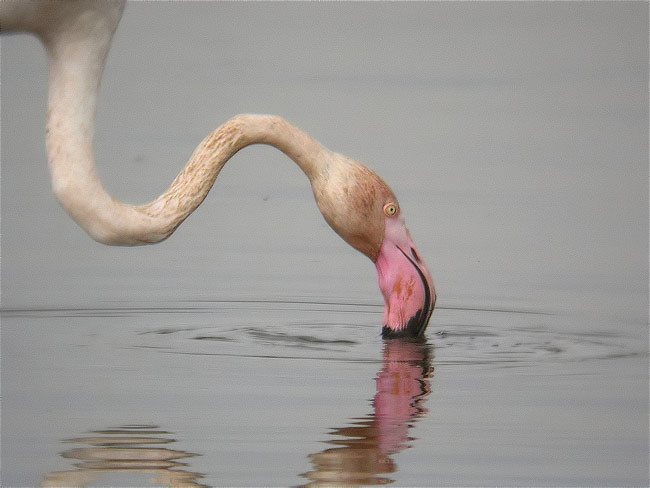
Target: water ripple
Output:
{"points": [[349, 330]]}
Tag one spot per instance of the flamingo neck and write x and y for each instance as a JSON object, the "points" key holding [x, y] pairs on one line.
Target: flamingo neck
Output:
{"points": [[75, 72]]}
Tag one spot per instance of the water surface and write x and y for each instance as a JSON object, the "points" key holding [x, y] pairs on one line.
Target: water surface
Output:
{"points": [[229, 392]]}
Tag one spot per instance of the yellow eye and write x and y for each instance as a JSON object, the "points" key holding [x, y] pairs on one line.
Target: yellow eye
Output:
{"points": [[390, 209]]}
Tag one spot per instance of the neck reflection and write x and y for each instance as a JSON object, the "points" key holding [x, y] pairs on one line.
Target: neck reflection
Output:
{"points": [[364, 449], [127, 449]]}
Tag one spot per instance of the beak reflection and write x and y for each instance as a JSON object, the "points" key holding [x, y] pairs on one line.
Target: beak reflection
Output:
{"points": [[362, 452]]}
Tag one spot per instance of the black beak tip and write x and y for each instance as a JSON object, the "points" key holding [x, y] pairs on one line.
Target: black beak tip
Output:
{"points": [[414, 328]]}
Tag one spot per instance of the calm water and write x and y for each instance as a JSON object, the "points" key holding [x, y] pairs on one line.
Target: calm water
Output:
{"points": [[245, 350]]}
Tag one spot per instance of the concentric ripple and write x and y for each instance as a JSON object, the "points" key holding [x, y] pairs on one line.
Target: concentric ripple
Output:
{"points": [[349, 330]]}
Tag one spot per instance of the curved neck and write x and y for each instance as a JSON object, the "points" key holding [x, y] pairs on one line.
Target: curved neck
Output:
{"points": [[75, 71], [194, 182]]}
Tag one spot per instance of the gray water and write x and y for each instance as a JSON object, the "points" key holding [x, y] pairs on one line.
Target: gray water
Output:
{"points": [[245, 350]]}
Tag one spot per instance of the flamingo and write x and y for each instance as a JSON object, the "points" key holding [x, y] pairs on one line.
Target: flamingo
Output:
{"points": [[356, 203]]}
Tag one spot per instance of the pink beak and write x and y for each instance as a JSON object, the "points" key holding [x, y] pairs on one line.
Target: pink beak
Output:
{"points": [[405, 282]]}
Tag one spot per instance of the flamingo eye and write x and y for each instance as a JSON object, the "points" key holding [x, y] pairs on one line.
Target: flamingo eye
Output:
{"points": [[390, 209]]}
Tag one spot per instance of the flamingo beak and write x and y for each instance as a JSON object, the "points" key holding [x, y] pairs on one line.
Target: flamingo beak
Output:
{"points": [[405, 282]]}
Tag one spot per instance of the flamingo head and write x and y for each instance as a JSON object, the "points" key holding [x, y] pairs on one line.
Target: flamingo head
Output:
{"points": [[363, 210]]}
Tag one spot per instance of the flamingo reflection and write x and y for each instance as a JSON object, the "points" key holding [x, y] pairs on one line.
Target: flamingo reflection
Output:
{"points": [[133, 449], [364, 449]]}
